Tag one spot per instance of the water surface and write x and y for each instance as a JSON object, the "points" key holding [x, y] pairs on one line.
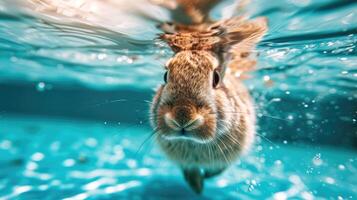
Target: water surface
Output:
{"points": [[74, 59]]}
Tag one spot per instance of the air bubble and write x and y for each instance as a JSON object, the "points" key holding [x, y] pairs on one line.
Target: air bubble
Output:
{"points": [[31, 166], [37, 156], [317, 161], [5, 144], [222, 183], [341, 167], [68, 163], [278, 162], [251, 185], [91, 142], [266, 78], [101, 56], [330, 180], [41, 86]]}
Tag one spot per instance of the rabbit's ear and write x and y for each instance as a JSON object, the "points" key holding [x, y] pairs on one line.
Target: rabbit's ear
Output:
{"points": [[238, 41], [243, 33]]}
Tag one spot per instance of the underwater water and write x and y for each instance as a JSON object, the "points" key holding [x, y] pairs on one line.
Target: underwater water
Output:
{"points": [[76, 78]]}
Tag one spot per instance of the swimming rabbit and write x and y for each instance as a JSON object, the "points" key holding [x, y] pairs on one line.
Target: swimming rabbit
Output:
{"points": [[203, 115]]}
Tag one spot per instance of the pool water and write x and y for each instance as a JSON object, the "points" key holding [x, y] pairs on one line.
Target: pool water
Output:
{"points": [[59, 159], [77, 76]]}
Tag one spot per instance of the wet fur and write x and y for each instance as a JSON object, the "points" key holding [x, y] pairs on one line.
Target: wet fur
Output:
{"points": [[230, 121], [228, 112]]}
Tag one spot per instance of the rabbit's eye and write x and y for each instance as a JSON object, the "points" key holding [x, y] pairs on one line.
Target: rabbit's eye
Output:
{"points": [[165, 77], [216, 78]]}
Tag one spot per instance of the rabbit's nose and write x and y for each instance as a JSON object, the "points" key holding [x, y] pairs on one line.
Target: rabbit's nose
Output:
{"points": [[182, 114], [183, 119], [171, 122]]}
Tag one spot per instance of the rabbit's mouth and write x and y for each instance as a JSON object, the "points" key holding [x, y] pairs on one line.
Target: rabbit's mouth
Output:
{"points": [[185, 136]]}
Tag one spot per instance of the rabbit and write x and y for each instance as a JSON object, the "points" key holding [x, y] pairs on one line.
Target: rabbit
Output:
{"points": [[203, 115], [196, 10]]}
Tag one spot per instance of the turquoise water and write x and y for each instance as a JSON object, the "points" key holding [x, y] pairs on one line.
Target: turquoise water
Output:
{"points": [[76, 78], [51, 159]]}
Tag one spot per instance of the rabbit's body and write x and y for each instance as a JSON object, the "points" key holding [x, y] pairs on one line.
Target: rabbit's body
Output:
{"points": [[204, 116], [234, 131]]}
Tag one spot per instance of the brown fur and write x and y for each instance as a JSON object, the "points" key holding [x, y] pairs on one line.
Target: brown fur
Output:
{"points": [[197, 10], [227, 127]]}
